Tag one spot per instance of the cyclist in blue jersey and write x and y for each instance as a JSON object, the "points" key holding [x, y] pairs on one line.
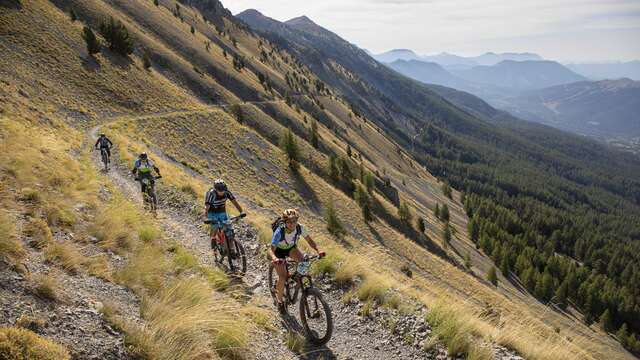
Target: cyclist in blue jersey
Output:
{"points": [[215, 208]]}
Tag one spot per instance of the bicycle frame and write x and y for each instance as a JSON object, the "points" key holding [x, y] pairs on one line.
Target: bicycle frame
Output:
{"points": [[302, 282]]}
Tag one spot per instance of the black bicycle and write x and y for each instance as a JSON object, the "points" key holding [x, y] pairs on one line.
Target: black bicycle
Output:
{"points": [[104, 155], [149, 198], [227, 246], [315, 313]]}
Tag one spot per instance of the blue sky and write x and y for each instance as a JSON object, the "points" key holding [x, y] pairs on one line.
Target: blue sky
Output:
{"points": [[564, 30]]}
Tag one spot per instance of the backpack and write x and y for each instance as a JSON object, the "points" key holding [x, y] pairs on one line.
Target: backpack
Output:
{"points": [[279, 222]]}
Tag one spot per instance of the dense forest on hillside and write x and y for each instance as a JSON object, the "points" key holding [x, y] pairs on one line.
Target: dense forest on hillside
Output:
{"points": [[566, 227]]}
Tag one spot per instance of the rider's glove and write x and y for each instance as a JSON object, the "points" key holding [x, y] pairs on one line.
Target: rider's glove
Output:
{"points": [[277, 261], [322, 254]]}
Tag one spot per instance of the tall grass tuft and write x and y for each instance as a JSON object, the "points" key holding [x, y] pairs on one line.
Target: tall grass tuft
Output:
{"points": [[23, 344]]}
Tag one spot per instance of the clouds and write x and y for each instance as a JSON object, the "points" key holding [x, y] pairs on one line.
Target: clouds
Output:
{"points": [[431, 26]]}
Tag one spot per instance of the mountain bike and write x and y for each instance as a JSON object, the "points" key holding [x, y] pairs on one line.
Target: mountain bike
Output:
{"points": [[315, 313], [228, 246], [104, 155], [149, 198]]}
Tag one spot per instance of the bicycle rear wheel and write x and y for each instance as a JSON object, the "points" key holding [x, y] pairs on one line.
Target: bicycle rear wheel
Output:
{"points": [[315, 315], [236, 256]]}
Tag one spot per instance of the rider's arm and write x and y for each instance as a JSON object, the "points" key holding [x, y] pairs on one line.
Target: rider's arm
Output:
{"points": [[156, 169], [277, 235], [272, 252], [96, 145], [312, 243], [110, 143], [237, 205]]}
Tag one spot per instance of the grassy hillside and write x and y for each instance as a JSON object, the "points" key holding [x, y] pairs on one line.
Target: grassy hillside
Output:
{"points": [[180, 110]]}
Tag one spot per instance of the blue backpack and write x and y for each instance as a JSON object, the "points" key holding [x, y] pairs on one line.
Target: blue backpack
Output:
{"points": [[279, 222]]}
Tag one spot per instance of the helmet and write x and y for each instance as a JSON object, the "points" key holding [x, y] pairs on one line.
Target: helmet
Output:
{"points": [[219, 185], [290, 214], [102, 135], [143, 156]]}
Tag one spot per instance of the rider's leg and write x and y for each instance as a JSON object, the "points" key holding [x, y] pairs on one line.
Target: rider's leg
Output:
{"points": [[281, 269], [296, 254], [108, 155]]}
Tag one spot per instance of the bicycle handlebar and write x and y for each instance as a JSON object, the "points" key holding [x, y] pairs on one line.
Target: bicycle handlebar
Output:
{"points": [[233, 219]]}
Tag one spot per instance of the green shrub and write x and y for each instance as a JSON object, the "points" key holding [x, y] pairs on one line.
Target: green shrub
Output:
{"points": [[334, 225]]}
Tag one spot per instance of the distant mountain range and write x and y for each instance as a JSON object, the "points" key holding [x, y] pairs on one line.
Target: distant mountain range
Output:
{"points": [[603, 71], [454, 61], [608, 108]]}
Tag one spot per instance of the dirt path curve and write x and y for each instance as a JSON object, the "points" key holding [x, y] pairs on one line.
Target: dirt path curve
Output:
{"points": [[354, 336]]}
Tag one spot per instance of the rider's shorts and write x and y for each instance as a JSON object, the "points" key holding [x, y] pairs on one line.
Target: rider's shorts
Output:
{"points": [[283, 253], [221, 217]]}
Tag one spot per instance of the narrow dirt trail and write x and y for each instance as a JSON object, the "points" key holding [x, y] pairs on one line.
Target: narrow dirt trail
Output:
{"points": [[354, 336]]}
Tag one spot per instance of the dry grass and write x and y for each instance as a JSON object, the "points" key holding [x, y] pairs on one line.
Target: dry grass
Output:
{"points": [[39, 232], [23, 344], [46, 287], [118, 224], [185, 322], [31, 322], [295, 342], [98, 266], [145, 270], [66, 255], [10, 247]]}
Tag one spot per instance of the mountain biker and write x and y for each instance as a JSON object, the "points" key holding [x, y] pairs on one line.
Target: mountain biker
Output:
{"points": [[143, 168], [215, 208], [104, 143], [286, 234]]}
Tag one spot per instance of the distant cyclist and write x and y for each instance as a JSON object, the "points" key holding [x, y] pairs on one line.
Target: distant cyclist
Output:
{"points": [[144, 168], [215, 208], [103, 142], [286, 233]]}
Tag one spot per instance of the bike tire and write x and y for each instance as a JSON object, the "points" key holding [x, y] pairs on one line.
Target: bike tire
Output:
{"points": [[242, 256], [311, 335], [271, 281]]}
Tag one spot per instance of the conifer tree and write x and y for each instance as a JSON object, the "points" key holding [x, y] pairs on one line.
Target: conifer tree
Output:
{"points": [[492, 276], [93, 44]]}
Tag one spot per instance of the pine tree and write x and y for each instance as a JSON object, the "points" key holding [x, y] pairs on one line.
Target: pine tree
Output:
{"points": [[290, 147], [505, 267], [334, 225], [193, 30], [492, 276], [436, 211], [156, 2], [364, 201], [605, 321], [349, 152], [446, 189], [420, 225], [446, 236], [146, 61], [444, 213], [117, 36], [561, 295], [404, 213], [237, 112], [73, 15], [93, 44], [467, 261], [473, 229], [623, 335], [314, 134]]}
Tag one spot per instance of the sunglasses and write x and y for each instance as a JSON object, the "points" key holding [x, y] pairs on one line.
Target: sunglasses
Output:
{"points": [[291, 221]]}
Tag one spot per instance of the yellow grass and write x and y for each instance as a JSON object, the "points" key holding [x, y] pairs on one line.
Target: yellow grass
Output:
{"points": [[10, 247], [65, 255], [46, 286], [23, 344]]}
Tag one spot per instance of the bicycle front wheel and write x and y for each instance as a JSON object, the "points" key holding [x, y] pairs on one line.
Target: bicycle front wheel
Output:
{"points": [[315, 315]]}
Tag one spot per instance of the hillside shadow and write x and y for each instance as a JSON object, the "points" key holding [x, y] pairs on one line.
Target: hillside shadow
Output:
{"points": [[305, 191], [310, 352], [90, 63], [122, 62], [408, 231], [11, 4]]}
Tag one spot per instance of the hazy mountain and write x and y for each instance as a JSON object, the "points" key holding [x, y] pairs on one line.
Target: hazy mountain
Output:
{"points": [[521, 75], [607, 108], [446, 59], [396, 54], [603, 71], [427, 72], [491, 58]]}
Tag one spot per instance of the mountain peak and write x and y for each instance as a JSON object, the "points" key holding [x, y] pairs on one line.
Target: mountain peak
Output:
{"points": [[300, 20], [250, 12]]}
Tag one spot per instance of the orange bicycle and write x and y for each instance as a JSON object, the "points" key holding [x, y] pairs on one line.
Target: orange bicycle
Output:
{"points": [[227, 246]]}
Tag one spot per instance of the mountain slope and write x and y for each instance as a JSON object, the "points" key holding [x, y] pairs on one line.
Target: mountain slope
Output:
{"points": [[516, 170], [603, 108], [395, 55], [521, 75], [215, 102], [427, 72]]}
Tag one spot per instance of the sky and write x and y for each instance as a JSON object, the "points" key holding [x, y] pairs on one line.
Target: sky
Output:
{"points": [[562, 30]]}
